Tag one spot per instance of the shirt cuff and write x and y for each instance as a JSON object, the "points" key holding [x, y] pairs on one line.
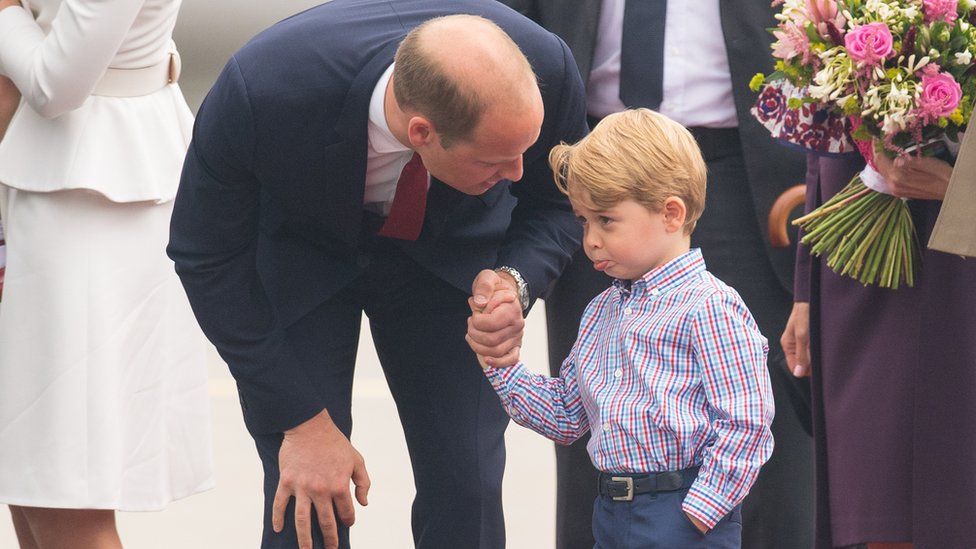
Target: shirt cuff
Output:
{"points": [[506, 380], [706, 505]]}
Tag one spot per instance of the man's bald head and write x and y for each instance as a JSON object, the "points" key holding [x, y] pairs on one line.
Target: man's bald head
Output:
{"points": [[454, 69]]}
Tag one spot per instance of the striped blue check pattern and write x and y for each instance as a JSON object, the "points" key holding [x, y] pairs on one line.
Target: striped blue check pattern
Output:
{"points": [[668, 372]]}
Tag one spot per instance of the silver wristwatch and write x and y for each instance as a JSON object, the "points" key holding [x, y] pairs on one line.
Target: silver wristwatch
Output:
{"points": [[523, 287]]}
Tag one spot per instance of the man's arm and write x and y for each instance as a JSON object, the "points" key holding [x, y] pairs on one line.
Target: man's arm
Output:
{"points": [[732, 361], [544, 234], [213, 241]]}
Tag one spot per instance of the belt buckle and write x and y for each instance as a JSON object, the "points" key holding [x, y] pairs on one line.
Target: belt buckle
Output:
{"points": [[629, 481]]}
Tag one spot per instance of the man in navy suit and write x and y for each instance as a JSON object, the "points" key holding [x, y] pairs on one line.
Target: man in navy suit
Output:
{"points": [[294, 217]]}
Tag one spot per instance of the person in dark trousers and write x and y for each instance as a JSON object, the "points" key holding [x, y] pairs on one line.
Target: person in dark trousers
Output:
{"points": [[692, 61], [306, 201]]}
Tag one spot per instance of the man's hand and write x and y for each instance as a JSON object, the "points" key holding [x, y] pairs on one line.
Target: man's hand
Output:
{"points": [[496, 324], [9, 3], [796, 340], [316, 462], [925, 178]]}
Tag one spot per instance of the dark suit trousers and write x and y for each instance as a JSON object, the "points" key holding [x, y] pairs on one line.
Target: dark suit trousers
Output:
{"points": [[778, 513], [452, 420]]}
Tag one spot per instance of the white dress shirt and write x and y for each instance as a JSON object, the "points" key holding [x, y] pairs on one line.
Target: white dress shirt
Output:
{"points": [[697, 80], [62, 137], [385, 155]]}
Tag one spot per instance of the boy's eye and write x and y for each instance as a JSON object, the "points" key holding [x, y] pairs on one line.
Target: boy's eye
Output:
{"points": [[581, 220], [604, 220]]}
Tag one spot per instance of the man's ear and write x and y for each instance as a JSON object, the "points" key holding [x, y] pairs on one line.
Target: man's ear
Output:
{"points": [[675, 213], [420, 132]]}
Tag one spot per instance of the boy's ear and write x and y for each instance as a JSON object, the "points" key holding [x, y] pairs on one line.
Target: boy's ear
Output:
{"points": [[675, 213]]}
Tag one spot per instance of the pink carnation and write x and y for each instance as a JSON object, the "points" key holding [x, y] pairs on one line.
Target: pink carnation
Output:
{"points": [[791, 41], [941, 94], [940, 9], [869, 44]]}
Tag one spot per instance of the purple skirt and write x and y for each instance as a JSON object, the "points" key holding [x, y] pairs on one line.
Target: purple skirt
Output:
{"points": [[894, 393]]}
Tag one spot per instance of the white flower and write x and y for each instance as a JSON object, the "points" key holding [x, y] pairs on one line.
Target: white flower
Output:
{"points": [[964, 58]]}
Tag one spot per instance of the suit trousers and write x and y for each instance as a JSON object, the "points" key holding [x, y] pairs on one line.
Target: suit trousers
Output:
{"points": [[779, 510], [452, 420]]}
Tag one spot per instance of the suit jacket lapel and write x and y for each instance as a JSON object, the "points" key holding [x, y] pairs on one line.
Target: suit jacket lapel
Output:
{"points": [[347, 194]]}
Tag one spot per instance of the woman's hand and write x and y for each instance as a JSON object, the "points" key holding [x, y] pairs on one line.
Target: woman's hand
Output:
{"points": [[8, 3], [9, 99], [925, 177]]}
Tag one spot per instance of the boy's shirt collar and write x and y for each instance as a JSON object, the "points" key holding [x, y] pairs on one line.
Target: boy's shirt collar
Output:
{"points": [[667, 276]]}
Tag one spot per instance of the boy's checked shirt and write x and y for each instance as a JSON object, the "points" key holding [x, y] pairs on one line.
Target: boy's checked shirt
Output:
{"points": [[668, 372]]}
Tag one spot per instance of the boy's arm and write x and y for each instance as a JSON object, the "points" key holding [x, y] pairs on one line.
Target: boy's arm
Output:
{"points": [[731, 354], [550, 406]]}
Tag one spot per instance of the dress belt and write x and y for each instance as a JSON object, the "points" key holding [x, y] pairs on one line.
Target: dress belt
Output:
{"points": [[142, 81]]}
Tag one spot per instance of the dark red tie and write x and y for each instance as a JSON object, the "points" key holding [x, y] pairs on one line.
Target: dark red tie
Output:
{"points": [[406, 217]]}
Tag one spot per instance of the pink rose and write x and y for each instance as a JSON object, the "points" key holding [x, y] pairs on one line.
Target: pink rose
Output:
{"points": [[941, 95], [940, 9], [869, 44]]}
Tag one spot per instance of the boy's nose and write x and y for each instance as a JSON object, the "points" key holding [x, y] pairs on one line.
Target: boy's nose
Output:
{"points": [[591, 239]]}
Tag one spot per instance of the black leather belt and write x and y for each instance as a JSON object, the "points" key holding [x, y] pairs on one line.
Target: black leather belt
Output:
{"points": [[624, 486]]}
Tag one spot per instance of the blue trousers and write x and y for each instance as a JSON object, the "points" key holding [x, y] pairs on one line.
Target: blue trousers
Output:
{"points": [[452, 420], [656, 521]]}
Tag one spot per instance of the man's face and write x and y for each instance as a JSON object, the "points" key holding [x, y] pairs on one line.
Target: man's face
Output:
{"points": [[492, 153]]}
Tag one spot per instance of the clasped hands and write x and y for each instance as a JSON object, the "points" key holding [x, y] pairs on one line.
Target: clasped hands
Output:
{"points": [[496, 324]]}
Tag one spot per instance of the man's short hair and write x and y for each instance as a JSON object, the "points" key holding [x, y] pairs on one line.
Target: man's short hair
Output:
{"points": [[423, 83], [636, 154]]}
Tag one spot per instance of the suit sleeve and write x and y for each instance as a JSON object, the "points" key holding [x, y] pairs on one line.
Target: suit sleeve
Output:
{"points": [[801, 278], [544, 234], [57, 72], [213, 241]]}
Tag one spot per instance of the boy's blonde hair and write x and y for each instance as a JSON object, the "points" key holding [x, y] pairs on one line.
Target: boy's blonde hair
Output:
{"points": [[636, 154]]}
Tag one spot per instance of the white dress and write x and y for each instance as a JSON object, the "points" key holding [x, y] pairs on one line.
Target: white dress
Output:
{"points": [[103, 385]]}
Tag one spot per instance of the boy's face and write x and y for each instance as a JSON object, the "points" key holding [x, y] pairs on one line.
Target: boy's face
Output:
{"points": [[625, 241]]}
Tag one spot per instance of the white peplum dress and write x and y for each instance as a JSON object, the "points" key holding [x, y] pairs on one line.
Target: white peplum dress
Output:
{"points": [[103, 382]]}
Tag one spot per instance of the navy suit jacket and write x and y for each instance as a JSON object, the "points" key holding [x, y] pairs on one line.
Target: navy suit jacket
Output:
{"points": [[267, 222]]}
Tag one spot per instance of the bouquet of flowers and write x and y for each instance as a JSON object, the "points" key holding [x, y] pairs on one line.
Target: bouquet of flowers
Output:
{"points": [[895, 76]]}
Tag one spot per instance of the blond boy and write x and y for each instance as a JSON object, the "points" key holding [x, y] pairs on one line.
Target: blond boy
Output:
{"points": [[668, 371]]}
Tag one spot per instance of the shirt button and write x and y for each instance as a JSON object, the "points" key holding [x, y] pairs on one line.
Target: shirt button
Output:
{"points": [[628, 311], [362, 261], [655, 291], [618, 373]]}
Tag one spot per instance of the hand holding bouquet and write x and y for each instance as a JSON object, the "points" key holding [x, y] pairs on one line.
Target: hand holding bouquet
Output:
{"points": [[898, 78]]}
